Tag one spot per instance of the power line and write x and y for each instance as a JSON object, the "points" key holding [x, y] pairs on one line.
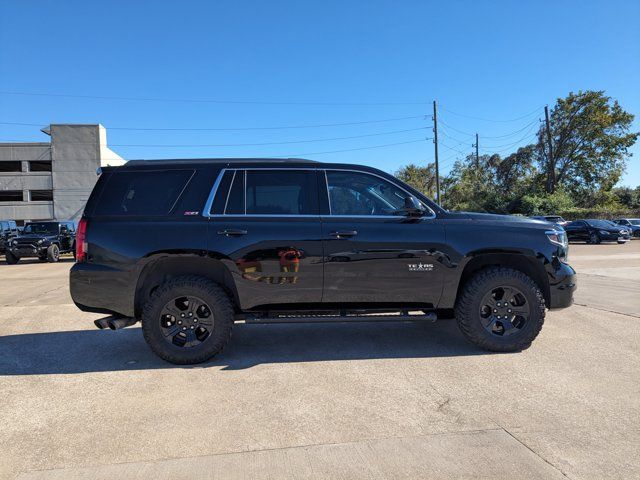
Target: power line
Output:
{"points": [[515, 132], [350, 149], [493, 120], [509, 146], [204, 100], [230, 129]]}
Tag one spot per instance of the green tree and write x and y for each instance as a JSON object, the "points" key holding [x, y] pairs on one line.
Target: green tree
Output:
{"points": [[422, 179], [590, 135]]}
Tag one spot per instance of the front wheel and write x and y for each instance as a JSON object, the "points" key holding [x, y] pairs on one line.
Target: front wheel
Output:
{"points": [[53, 253], [10, 258], [187, 320], [501, 310]]}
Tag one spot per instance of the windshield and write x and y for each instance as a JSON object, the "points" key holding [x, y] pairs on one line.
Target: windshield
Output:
{"points": [[602, 223], [43, 228]]}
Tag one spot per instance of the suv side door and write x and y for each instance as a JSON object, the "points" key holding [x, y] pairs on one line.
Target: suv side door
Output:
{"points": [[373, 254], [265, 224], [577, 230]]}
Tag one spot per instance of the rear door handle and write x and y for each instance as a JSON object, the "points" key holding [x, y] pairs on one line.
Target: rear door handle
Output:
{"points": [[344, 233], [232, 232]]}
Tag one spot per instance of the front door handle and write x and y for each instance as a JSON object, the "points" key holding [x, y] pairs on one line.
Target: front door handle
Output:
{"points": [[344, 233], [232, 232]]}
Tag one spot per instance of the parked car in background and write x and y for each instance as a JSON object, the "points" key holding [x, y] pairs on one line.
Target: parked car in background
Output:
{"points": [[632, 224], [594, 231], [8, 231], [45, 240], [555, 219]]}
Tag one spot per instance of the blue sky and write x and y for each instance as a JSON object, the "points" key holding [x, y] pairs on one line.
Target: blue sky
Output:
{"points": [[312, 63]]}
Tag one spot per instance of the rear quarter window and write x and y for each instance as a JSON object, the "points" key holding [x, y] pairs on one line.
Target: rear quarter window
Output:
{"points": [[143, 192]]}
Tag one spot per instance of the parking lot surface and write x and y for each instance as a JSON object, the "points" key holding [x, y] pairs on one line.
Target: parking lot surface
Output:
{"points": [[357, 401]]}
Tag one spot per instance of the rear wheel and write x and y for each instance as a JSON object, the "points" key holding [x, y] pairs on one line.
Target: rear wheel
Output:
{"points": [[501, 310], [53, 253], [594, 238], [187, 320], [11, 258]]}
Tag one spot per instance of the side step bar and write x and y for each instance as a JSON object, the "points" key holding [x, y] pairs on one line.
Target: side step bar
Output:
{"points": [[403, 316], [114, 322]]}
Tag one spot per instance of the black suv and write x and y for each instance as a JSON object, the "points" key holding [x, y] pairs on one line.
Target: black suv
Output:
{"points": [[45, 240], [189, 246], [8, 231]]}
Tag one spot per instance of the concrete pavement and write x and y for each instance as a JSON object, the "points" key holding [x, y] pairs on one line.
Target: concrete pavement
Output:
{"points": [[366, 400]]}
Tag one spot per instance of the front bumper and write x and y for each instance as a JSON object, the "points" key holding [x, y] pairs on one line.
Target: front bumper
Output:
{"points": [[562, 284], [28, 250]]}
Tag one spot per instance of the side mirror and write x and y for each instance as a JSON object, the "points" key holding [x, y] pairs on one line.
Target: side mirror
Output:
{"points": [[412, 207]]}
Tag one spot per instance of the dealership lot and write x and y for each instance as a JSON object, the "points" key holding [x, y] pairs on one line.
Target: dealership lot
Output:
{"points": [[365, 400]]}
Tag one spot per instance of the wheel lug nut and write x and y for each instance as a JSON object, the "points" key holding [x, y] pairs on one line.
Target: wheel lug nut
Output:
{"points": [[182, 315], [195, 320], [495, 311], [190, 314], [184, 328], [192, 328], [179, 322]]}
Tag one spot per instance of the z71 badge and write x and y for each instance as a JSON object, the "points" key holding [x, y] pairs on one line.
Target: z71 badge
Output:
{"points": [[420, 267]]}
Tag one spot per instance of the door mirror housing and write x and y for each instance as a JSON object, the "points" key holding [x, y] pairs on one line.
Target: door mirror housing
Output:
{"points": [[412, 207]]}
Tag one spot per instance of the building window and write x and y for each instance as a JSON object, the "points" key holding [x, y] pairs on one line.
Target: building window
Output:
{"points": [[10, 195], [10, 166], [41, 195], [38, 166]]}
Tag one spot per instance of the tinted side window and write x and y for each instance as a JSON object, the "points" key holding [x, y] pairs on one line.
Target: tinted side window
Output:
{"points": [[221, 193], [281, 192], [142, 192], [355, 193], [235, 201]]}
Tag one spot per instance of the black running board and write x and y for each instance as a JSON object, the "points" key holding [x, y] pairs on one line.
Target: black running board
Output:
{"points": [[339, 317]]}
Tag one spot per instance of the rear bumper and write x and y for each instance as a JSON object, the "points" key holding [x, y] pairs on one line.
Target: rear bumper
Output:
{"points": [[562, 284], [99, 289]]}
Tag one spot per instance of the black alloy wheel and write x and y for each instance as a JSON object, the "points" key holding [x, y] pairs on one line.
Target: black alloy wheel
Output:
{"points": [[504, 311], [186, 321]]}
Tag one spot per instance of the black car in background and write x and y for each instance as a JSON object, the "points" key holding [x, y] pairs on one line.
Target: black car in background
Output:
{"points": [[632, 224], [594, 231], [8, 231], [45, 240]]}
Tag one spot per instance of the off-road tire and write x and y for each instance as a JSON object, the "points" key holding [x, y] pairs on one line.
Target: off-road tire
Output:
{"points": [[10, 258], [53, 253], [217, 300], [468, 309]]}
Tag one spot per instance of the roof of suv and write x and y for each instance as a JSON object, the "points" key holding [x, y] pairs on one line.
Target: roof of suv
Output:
{"points": [[292, 161]]}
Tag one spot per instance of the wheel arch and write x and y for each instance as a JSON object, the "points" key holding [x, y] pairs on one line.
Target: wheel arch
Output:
{"points": [[528, 264], [160, 267]]}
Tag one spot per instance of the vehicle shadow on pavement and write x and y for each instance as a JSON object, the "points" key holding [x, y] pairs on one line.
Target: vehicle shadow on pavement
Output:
{"points": [[84, 351]]}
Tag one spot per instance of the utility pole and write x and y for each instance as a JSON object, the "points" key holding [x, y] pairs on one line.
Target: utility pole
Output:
{"points": [[435, 142], [477, 154], [551, 171]]}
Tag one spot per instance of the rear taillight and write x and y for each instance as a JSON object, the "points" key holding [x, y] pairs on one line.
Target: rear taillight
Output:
{"points": [[81, 241]]}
